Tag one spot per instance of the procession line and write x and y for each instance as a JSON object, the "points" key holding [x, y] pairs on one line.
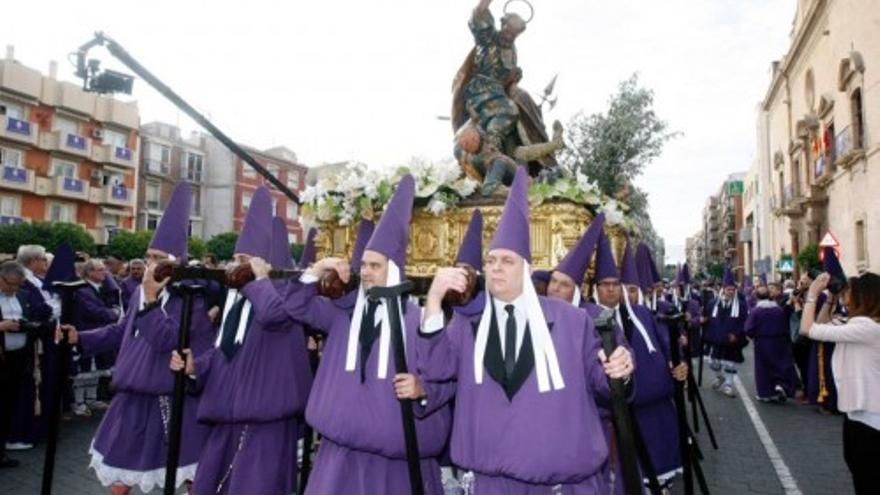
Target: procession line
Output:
{"points": [[782, 472]]}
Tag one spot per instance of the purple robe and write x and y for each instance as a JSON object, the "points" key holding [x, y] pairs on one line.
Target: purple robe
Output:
{"points": [[534, 440], [768, 326], [363, 450], [723, 328], [92, 309], [128, 286], [143, 383], [254, 401]]}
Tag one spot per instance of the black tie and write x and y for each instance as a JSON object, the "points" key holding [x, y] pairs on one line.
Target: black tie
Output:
{"points": [[230, 327], [369, 333], [509, 341]]}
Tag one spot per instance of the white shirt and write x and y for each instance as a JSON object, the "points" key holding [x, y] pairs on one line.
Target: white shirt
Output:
{"points": [[519, 312], [11, 309]]}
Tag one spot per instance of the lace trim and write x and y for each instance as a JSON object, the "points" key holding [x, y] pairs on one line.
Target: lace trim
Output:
{"points": [[145, 480]]}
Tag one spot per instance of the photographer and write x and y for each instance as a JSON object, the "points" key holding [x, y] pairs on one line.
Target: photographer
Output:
{"points": [[856, 365], [801, 346]]}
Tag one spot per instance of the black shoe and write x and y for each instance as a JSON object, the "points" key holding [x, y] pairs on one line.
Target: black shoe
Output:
{"points": [[8, 462]]}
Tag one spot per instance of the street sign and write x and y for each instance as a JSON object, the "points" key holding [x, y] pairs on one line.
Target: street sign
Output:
{"points": [[829, 241], [786, 265], [735, 188]]}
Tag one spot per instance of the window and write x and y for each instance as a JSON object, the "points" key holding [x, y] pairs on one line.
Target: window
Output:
{"points": [[858, 120], [115, 138], [246, 201], [247, 171], [861, 246], [63, 168], [293, 179], [152, 221], [292, 210], [196, 201], [10, 157], [62, 212], [152, 194], [13, 110], [113, 179], [273, 169], [9, 206], [194, 164], [158, 158], [108, 220], [64, 125]]}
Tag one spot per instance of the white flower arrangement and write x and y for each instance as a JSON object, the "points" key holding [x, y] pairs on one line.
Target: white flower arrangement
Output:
{"points": [[359, 192]]}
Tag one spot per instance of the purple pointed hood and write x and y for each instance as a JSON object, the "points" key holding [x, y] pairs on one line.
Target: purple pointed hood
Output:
{"points": [[171, 235], [831, 264], [309, 252], [729, 280], [513, 227], [643, 265], [605, 266], [255, 237], [763, 277], [542, 275], [63, 267], [392, 232], [365, 231], [629, 274], [280, 256], [580, 255], [471, 249], [684, 275], [747, 282]]}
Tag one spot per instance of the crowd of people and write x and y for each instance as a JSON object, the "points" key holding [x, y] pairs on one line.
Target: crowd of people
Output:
{"points": [[507, 376]]}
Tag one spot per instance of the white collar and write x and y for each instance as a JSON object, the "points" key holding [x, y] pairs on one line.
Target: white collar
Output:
{"points": [[95, 285], [519, 306], [354, 329]]}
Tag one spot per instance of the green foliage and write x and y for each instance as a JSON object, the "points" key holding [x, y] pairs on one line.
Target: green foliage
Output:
{"points": [[129, 245], [296, 250], [716, 270], [47, 234], [808, 258], [223, 245], [196, 248]]}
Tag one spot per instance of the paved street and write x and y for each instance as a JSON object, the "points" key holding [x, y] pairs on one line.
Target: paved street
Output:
{"points": [[809, 444]]}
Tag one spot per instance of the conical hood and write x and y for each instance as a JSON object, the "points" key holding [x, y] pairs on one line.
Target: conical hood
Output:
{"points": [[763, 279], [471, 249], [605, 266], [684, 275], [513, 227], [309, 252], [629, 274], [63, 267], [831, 264], [643, 265], [281, 257], [365, 231], [171, 234], [392, 232], [255, 238], [728, 280], [578, 259]]}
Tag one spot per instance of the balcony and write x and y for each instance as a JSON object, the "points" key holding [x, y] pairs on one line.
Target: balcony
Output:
{"points": [[117, 195], [68, 187], [114, 155], [791, 201], [7, 220], [20, 131], [20, 179], [66, 142], [844, 150], [155, 167]]}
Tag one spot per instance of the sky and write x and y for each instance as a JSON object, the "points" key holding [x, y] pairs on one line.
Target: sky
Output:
{"points": [[366, 80]]}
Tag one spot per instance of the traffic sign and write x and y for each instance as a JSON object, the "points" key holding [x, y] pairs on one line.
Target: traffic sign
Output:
{"points": [[829, 241]]}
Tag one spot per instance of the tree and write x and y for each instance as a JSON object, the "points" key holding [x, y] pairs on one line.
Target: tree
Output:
{"points": [[613, 148], [296, 250], [223, 245], [196, 248], [129, 245], [46, 234], [808, 258]]}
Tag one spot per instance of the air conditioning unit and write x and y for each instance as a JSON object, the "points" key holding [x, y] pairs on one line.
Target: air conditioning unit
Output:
{"points": [[98, 133]]}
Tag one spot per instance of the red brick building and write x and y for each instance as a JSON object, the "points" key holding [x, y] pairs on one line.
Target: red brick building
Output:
{"points": [[67, 155]]}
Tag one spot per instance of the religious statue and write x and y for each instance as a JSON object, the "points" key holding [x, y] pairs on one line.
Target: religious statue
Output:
{"points": [[498, 125]]}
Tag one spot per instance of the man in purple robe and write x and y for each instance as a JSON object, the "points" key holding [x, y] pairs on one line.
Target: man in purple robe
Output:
{"points": [[254, 381], [768, 326], [725, 331], [130, 446], [366, 454], [527, 371], [130, 284], [93, 308]]}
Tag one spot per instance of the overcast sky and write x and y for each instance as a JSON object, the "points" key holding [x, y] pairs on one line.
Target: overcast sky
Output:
{"points": [[365, 79]]}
